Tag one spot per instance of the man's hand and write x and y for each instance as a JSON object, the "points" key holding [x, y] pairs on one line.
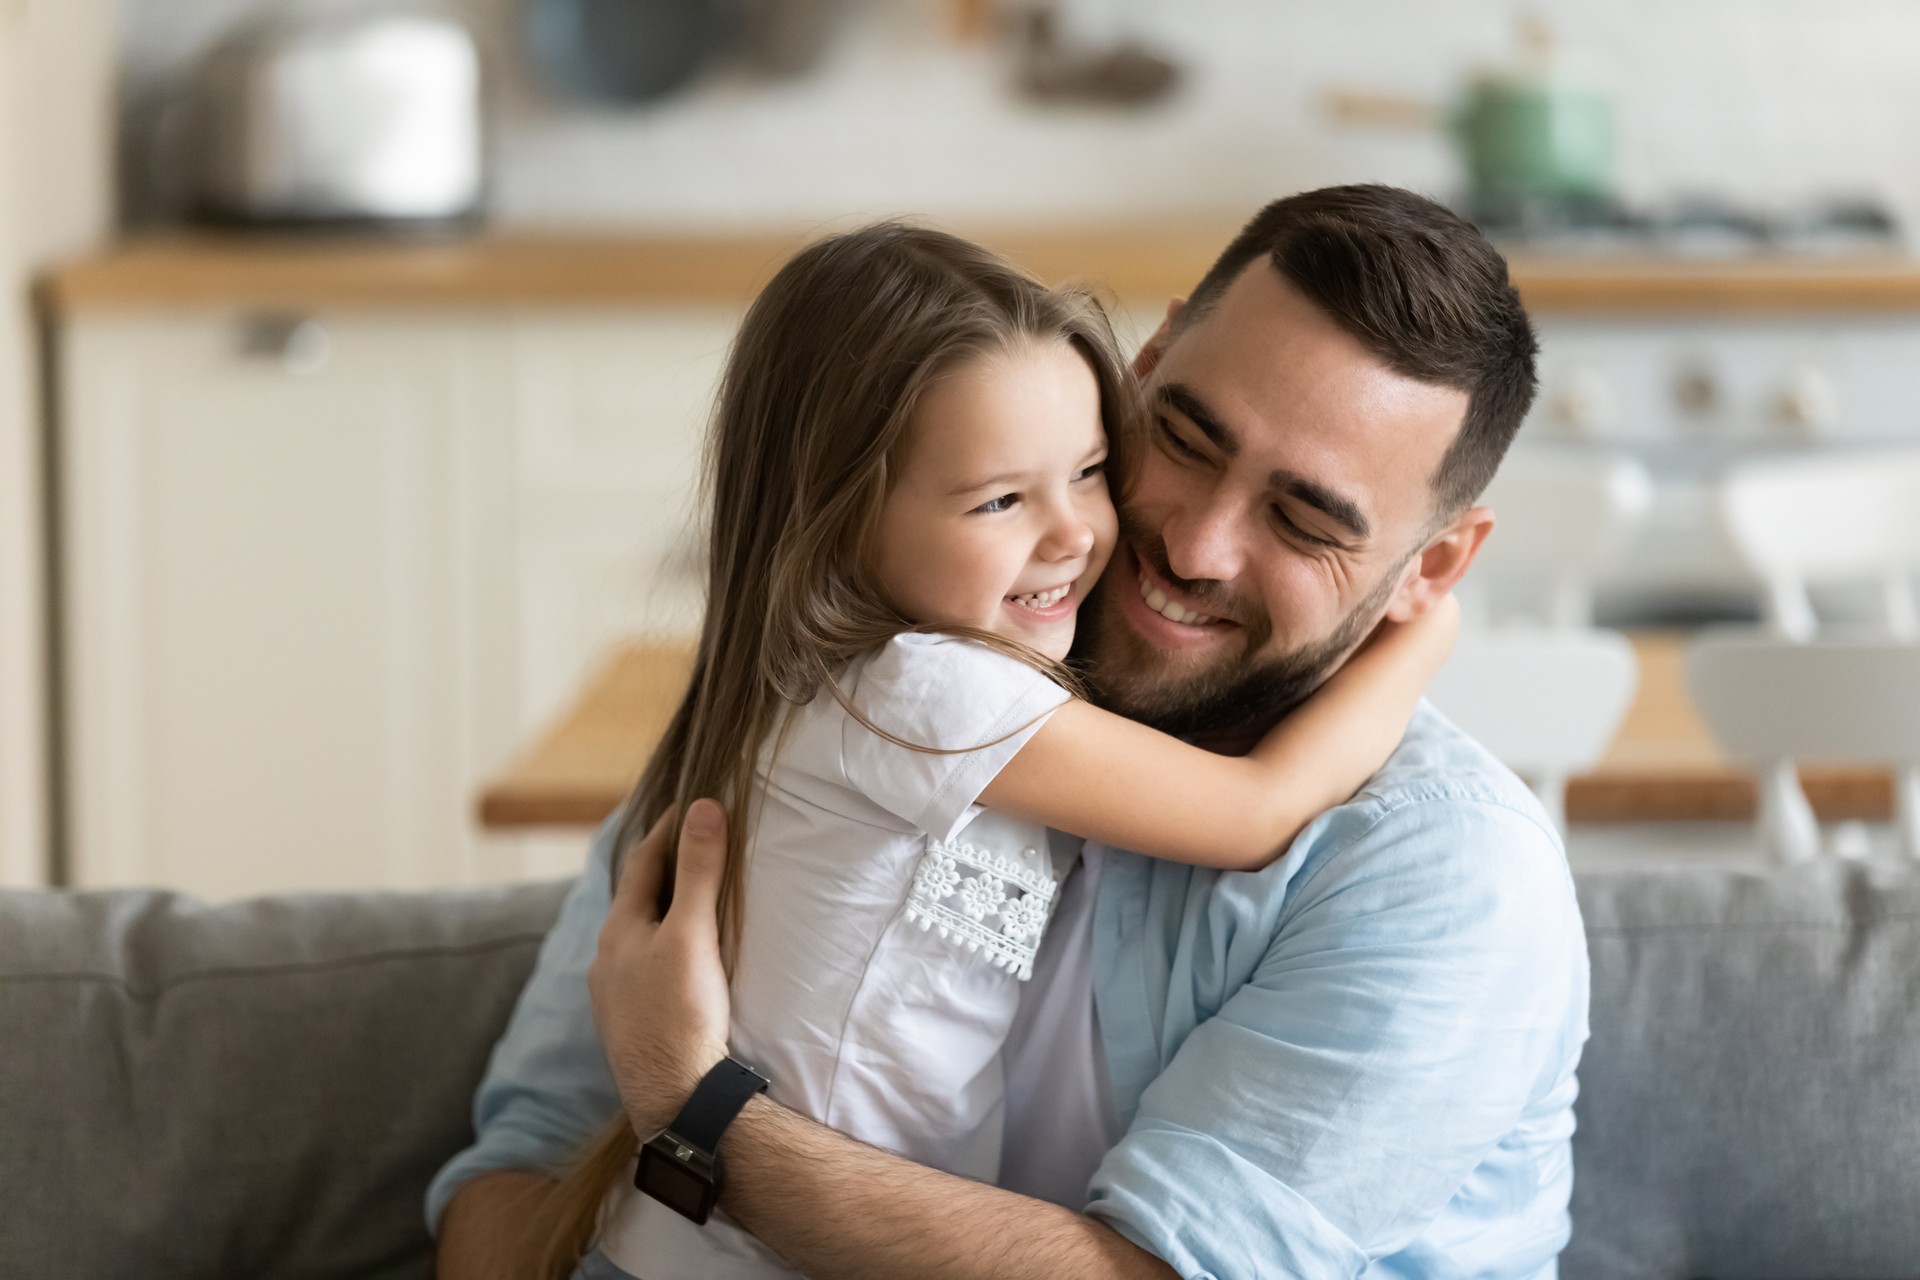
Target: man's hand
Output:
{"points": [[659, 989]]}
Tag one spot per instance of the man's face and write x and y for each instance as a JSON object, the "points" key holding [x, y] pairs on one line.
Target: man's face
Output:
{"points": [[1280, 509]]}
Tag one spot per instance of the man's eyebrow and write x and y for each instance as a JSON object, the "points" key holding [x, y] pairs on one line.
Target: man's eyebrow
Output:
{"points": [[1181, 399], [1341, 510]]}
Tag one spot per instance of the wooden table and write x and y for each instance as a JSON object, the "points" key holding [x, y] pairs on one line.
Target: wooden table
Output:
{"points": [[582, 767], [1662, 766]]}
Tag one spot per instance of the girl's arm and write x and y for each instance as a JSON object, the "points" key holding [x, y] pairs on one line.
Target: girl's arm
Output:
{"points": [[1111, 779]]}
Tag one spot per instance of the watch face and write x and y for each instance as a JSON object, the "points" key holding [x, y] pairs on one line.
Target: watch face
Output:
{"points": [[663, 1176], [677, 1188]]}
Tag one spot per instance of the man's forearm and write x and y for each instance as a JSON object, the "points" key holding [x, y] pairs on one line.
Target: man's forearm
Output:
{"points": [[484, 1229], [832, 1206]]}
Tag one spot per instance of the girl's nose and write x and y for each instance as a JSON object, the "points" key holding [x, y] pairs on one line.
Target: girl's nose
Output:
{"points": [[1069, 537]]}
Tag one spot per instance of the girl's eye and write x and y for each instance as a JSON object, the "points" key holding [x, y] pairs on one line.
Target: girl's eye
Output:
{"points": [[1173, 441], [1093, 469], [1002, 503]]}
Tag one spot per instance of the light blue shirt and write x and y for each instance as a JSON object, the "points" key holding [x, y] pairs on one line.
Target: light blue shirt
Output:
{"points": [[1359, 1061]]}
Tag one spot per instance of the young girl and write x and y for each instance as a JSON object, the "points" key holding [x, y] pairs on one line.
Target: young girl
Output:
{"points": [[908, 478]]}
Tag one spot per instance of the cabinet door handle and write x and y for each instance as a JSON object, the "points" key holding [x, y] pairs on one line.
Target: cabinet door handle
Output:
{"points": [[302, 345]]}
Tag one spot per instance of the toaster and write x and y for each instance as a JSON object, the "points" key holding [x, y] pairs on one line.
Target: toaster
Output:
{"points": [[368, 116]]}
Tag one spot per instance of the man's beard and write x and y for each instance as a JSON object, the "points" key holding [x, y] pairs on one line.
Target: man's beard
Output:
{"points": [[1248, 693]]}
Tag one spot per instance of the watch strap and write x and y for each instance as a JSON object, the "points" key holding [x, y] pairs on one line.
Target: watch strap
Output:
{"points": [[716, 1100]]}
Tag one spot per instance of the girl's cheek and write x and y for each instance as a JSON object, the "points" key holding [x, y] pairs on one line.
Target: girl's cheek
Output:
{"points": [[1104, 522]]}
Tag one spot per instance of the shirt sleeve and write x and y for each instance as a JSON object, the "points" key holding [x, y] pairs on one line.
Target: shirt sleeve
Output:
{"points": [[936, 691], [547, 1088], [1424, 984]]}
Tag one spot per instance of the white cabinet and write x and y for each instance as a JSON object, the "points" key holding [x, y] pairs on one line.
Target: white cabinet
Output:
{"points": [[610, 412], [284, 574], [319, 582]]}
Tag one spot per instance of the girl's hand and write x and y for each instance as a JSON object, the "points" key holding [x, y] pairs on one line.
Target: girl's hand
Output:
{"points": [[1425, 641], [1328, 747], [1396, 663]]}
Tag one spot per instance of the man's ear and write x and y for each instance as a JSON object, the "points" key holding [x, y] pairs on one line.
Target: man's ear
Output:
{"points": [[1156, 346], [1438, 568]]}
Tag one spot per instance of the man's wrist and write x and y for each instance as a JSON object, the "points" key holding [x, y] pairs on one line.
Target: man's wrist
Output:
{"points": [[680, 1165], [717, 1102], [745, 1144], [659, 1091], [756, 1113]]}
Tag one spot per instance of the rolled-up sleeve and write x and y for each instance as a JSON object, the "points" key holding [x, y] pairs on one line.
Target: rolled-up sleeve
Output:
{"points": [[547, 1088], [1426, 981]]}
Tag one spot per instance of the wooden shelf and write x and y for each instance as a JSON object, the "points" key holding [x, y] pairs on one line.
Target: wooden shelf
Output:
{"points": [[1758, 284], [605, 270]]}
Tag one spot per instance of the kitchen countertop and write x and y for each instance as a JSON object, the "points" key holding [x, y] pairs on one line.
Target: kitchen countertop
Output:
{"points": [[608, 270], [1662, 766]]}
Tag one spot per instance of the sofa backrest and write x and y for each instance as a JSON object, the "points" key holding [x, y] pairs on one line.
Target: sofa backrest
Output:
{"points": [[259, 1090], [1750, 1098], [265, 1089]]}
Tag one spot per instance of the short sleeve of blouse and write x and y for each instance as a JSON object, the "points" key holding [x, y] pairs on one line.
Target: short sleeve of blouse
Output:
{"points": [[977, 706]]}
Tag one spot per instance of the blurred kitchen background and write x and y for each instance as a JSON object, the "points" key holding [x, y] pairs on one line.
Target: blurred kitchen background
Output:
{"points": [[356, 352]]}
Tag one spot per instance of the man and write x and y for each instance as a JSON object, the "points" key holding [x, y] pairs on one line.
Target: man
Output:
{"points": [[1359, 1060]]}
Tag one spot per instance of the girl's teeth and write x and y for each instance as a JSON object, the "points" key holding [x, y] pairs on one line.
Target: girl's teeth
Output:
{"points": [[1043, 599], [1157, 601]]}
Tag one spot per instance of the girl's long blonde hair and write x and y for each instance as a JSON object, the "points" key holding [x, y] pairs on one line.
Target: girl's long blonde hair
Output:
{"points": [[808, 434]]}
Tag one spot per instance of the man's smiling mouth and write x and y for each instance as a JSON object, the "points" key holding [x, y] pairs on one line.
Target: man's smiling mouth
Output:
{"points": [[1172, 610]]}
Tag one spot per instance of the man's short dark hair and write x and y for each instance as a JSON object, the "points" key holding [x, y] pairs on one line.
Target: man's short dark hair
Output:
{"points": [[1420, 288]]}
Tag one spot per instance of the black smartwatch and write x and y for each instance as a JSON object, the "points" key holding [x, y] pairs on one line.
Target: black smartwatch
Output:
{"points": [[677, 1165]]}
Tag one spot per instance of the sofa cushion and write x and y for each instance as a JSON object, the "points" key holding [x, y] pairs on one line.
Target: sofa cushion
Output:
{"points": [[1750, 1098], [259, 1089]]}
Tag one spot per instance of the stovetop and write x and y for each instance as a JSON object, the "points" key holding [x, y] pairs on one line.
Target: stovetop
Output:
{"points": [[1699, 227]]}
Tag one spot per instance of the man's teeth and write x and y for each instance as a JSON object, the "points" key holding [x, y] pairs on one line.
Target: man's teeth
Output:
{"points": [[1171, 610], [1043, 599]]}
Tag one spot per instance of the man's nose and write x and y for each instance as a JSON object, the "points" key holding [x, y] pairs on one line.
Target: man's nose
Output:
{"points": [[1203, 544]]}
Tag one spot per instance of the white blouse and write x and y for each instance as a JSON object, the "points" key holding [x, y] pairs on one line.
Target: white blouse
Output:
{"points": [[889, 922]]}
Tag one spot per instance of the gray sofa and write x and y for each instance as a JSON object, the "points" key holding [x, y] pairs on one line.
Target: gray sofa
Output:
{"points": [[263, 1089]]}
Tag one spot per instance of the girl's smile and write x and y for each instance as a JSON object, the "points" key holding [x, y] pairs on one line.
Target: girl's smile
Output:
{"points": [[1046, 607]]}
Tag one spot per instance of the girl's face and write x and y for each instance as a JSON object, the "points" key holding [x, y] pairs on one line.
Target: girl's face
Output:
{"points": [[1000, 518]]}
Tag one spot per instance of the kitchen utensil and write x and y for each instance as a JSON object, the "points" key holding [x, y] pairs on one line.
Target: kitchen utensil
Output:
{"points": [[783, 38], [346, 115], [1054, 68], [1533, 139], [627, 51], [1536, 134]]}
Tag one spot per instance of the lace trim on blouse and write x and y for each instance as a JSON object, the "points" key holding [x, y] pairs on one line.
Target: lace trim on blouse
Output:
{"points": [[992, 904]]}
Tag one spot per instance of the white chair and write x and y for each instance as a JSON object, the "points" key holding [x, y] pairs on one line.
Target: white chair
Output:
{"points": [[1546, 693], [1773, 703], [1832, 518], [1562, 515], [1546, 703], [1800, 692]]}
